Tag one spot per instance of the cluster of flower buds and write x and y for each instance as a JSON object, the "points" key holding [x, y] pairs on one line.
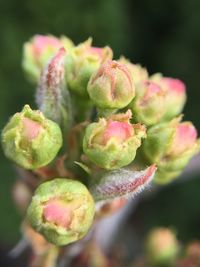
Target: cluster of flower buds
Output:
{"points": [[131, 123]]}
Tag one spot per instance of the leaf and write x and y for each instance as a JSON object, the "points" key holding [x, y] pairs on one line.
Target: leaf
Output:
{"points": [[122, 183], [52, 95]]}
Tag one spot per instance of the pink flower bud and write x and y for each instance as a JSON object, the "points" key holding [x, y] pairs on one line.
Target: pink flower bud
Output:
{"points": [[111, 87], [171, 145], [39, 50], [30, 139], [175, 91], [62, 210], [41, 43], [148, 105], [112, 143], [82, 62], [174, 85], [184, 138]]}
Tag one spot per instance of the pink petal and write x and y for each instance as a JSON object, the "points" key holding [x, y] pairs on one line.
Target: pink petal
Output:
{"points": [[31, 128], [42, 42], [57, 212], [174, 84], [119, 130]]}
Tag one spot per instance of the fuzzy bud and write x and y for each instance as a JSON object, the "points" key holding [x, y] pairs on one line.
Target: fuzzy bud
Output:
{"points": [[171, 145], [82, 62], [112, 143], [52, 95], [31, 140], [62, 210], [111, 87], [123, 183], [175, 91], [39, 50], [148, 105]]}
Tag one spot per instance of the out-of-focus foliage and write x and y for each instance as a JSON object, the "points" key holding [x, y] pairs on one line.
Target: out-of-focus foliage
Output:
{"points": [[162, 35]]}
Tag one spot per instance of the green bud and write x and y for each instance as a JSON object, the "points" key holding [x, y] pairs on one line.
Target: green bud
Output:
{"points": [[111, 87], [62, 210], [162, 247], [112, 143], [38, 51], [138, 73], [175, 92], [31, 140], [148, 106], [170, 145], [81, 62]]}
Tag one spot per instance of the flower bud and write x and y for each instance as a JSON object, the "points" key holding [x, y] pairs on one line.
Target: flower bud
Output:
{"points": [[171, 145], [62, 210], [81, 62], [111, 87], [39, 50], [112, 143], [162, 246], [138, 73], [175, 94], [31, 140], [148, 105]]}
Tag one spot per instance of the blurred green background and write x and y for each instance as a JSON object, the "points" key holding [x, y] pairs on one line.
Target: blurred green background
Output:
{"points": [[163, 35]]}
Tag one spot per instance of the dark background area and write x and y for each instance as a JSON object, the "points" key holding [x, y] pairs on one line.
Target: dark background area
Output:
{"points": [[162, 35]]}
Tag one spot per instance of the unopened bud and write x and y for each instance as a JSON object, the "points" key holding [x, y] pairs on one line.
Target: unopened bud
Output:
{"points": [[111, 87], [162, 247], [62, 210], [112, 143], [82, 62], [39, 50], [148, 106], [175, 91], [31, 140], [171, 145]]}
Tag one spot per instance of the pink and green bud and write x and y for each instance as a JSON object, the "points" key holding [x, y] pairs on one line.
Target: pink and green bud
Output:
{"points": [[112, 143], [31, 140], [138, 73], [162, 247], [175, 94], [82, 62], [111, 87], [171, 146], [62, 210], [39, 50], [148, 106]]}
